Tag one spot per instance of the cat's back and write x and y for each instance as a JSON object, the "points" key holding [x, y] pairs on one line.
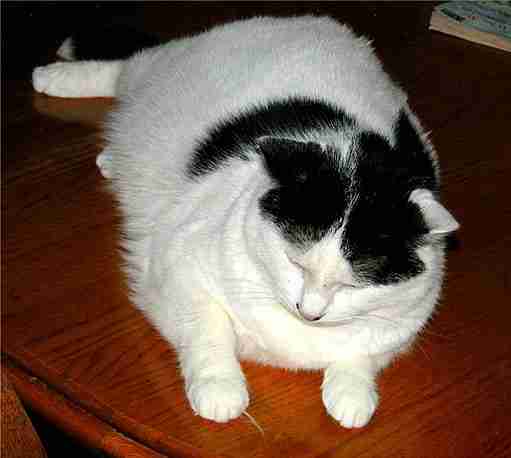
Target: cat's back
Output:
{"points": [[198, 81]]}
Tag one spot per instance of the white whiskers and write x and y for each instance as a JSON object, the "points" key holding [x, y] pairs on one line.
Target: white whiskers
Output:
{"points": [[254, 422]]}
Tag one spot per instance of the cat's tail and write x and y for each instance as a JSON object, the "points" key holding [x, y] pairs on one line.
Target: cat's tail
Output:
{"points": [[94, 62]]}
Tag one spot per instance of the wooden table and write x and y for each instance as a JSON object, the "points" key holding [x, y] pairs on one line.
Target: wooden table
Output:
{"points": [[79, 353]]}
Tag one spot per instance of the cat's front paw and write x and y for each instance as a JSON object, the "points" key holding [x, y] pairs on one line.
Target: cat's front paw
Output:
{"points": [[349, 398], [218, 399]]}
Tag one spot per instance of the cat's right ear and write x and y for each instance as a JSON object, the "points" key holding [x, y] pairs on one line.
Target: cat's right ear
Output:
{"points": [[286, 161], [438, 219]]}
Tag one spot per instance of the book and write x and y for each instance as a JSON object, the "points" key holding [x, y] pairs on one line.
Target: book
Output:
{"points": [[484, 22]]}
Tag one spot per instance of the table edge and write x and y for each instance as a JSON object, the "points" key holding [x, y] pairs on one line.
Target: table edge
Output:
{"points": [[110, 432]]}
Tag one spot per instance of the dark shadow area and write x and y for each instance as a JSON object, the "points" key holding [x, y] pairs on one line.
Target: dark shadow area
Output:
{"points": [[57, 443]]}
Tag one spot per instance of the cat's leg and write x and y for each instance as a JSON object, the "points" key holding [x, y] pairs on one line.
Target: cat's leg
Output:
{"points": [[214, 382], [349, 389], [78, 79]]}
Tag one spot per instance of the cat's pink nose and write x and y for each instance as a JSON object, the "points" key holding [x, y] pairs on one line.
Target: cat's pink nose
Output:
{"points": [[308, 316]]}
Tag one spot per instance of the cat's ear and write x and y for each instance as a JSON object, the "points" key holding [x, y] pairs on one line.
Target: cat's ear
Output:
{"points": [[438, 219], [290, 160]]}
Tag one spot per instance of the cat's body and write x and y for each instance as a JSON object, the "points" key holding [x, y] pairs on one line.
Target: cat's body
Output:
{"points": [[280, 205]]}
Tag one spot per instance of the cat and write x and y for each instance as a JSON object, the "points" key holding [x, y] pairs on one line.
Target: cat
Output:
{"points": [[280, 201]]}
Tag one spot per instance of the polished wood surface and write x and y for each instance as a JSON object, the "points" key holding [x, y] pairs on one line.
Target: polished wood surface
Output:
{"points": [[67, 322], [19, 438]]}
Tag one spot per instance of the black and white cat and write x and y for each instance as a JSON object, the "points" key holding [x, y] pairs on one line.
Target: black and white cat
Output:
{"points": [[280, 204]]}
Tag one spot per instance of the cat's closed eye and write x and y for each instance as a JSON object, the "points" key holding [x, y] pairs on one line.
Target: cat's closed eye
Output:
{"points": [[342, 285], [329, 285]]}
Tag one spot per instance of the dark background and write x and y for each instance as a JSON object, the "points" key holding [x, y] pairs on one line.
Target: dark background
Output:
{"points": [[32, 31]]}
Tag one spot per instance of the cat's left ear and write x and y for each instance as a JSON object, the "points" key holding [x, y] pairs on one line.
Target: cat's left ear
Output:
{"points": [[438, 219]]}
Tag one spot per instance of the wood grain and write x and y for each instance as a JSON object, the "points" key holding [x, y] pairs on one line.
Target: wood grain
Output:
{"points": [[66, 319], [19, 438], [78, 423]]}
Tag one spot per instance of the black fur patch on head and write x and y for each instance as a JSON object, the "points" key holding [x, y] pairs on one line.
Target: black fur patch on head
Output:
{"points": [[308, 199], [314, 191], [287, 117], [383, 227]]}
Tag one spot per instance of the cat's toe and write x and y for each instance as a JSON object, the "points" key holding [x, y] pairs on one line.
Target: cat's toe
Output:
{"points": [[218, 399], [44, 78], [350, 399], [40, 79]]}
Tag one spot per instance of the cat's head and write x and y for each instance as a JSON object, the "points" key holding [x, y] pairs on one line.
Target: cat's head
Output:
{"points": [[349, 221]]}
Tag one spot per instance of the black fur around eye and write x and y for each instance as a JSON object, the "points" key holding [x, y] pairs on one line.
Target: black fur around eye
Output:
{"points": [[384, 270]]}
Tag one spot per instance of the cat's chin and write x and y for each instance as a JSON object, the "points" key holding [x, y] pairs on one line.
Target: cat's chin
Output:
{"points": [[327, 324]]}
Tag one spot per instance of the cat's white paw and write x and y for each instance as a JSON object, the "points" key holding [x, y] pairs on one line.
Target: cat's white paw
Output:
{"points": [[54, 79], [349, 398], [218, 399]]}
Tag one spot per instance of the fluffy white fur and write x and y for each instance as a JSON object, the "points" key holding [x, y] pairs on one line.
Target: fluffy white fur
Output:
{"points": [[218, 280]]}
